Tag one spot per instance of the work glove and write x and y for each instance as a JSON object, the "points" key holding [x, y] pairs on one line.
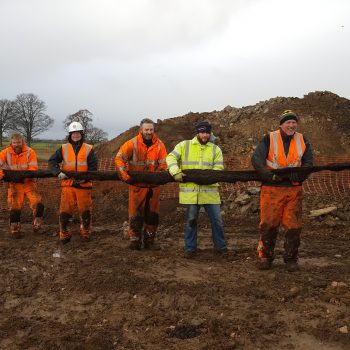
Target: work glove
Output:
{"points": [[62, 176], [78, 182], [268, 176], [179, 177], [276, 178], [125, 177], [298, 177], [129, 180]]}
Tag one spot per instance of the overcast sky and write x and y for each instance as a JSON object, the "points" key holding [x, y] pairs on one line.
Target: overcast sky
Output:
{"points": [[126, 60]]}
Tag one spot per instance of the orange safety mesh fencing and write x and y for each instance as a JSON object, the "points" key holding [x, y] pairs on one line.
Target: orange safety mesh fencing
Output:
{"points": [[328, 183]]}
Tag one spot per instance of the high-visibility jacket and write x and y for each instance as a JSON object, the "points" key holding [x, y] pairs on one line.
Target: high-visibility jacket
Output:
{"points": [[134, 155], [75, 162], [26, 160], [191, 154], [277, 158]]}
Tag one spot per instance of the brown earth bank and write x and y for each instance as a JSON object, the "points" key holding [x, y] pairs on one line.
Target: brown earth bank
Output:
{"points": [[99, 295], [324, 119]]}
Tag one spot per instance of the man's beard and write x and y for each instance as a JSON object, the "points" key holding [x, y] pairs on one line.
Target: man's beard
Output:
{"points": [[18, 149], [201, 141], [147, 137]]}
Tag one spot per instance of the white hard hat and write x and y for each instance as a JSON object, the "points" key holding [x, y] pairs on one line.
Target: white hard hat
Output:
{"points": [[75, 126]]}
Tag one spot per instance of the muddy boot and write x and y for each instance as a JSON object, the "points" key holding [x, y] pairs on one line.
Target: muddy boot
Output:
{"points": [[264, 264], [65, 237], [85, 235], [223, 252], [37, 224], [85, 226], [291, 246], [15, 228], [292, 266], [189, 254], [149, 241], [151, 245], [135, 245]]}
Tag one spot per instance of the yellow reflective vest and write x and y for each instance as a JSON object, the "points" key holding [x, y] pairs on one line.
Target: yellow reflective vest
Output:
{"points": [[191, 154]]}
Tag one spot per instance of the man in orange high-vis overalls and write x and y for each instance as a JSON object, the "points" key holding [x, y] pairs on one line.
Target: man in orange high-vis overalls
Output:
{"points": [[75, 156], [281, 199], [145, 152], [18, 156]]}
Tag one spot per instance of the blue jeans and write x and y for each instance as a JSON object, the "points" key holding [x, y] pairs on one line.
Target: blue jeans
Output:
{"points": [[217, 226]]}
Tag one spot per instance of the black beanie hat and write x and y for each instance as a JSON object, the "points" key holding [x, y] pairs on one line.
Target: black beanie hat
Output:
{"points": [[288, 115], [203, 126]]}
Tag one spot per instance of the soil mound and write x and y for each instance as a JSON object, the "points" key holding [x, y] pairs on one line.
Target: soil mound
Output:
{"points": [[324, 119]]}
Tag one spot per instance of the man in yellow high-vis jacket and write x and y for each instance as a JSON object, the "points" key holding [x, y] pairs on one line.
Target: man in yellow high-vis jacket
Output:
{"points": [[198, 153]]}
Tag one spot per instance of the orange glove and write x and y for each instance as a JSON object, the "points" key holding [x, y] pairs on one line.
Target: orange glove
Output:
{"points": [[1, 174]]}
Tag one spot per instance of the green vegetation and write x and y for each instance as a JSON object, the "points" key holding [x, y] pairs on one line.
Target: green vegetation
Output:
{"points": [[43, 149]]}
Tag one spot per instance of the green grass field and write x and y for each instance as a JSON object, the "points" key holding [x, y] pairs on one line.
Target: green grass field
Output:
{"points": [[43, 149]]}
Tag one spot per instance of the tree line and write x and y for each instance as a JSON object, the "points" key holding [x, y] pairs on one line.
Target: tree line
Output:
{"points": [[26, 114]]}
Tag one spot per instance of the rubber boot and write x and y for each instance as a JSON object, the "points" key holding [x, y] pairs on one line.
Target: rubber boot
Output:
{"points": [[264, 264], [149, 242], [37, 224], [15, 228], [292, 266], [65, 237], [135, 245], [85, 235]]}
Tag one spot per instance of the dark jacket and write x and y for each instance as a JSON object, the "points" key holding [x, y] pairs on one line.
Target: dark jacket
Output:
{"points": [[56, 159], [260, 155]]}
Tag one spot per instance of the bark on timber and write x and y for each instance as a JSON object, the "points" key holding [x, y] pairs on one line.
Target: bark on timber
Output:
{"points": [[201, 177]]}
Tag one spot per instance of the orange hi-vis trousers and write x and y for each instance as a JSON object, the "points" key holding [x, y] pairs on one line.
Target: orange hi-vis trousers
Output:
{"points": [[71, 196], [15, 197], [280, 206], [144, 206]]}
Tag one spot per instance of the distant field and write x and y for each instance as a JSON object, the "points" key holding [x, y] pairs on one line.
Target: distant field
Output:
{"points": [[43, 149]]}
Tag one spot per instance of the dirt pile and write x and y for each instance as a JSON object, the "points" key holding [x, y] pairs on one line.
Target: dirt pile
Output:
{"points": [[324, 119]]}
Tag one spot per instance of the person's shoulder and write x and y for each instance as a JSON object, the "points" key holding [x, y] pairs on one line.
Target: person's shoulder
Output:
{"points": [[129, 142], [305, 138], [182, 143], [266, 137], [214, 145]]}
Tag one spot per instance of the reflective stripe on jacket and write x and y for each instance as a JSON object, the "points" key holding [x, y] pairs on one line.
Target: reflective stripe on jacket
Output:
{"points": [[26, 160], [134, 155], [75, 162], [191, 154], [277, 159]]}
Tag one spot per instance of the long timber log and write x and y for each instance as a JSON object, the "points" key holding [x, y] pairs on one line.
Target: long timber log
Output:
{"points": [[201, 177]]}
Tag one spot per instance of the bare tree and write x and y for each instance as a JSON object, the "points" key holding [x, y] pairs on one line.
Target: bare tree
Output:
{"points": [[83, 116], [93, 134], [96, 135], [30, 119], [6, 117]]}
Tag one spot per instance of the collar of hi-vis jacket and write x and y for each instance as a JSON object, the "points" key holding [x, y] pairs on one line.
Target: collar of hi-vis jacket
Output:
{"points": [[138, 140], [186, 161], [10, 152], [275, 136]]}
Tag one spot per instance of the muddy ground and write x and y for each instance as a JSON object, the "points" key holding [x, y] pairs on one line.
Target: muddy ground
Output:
{"points": [[99, 295]]}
